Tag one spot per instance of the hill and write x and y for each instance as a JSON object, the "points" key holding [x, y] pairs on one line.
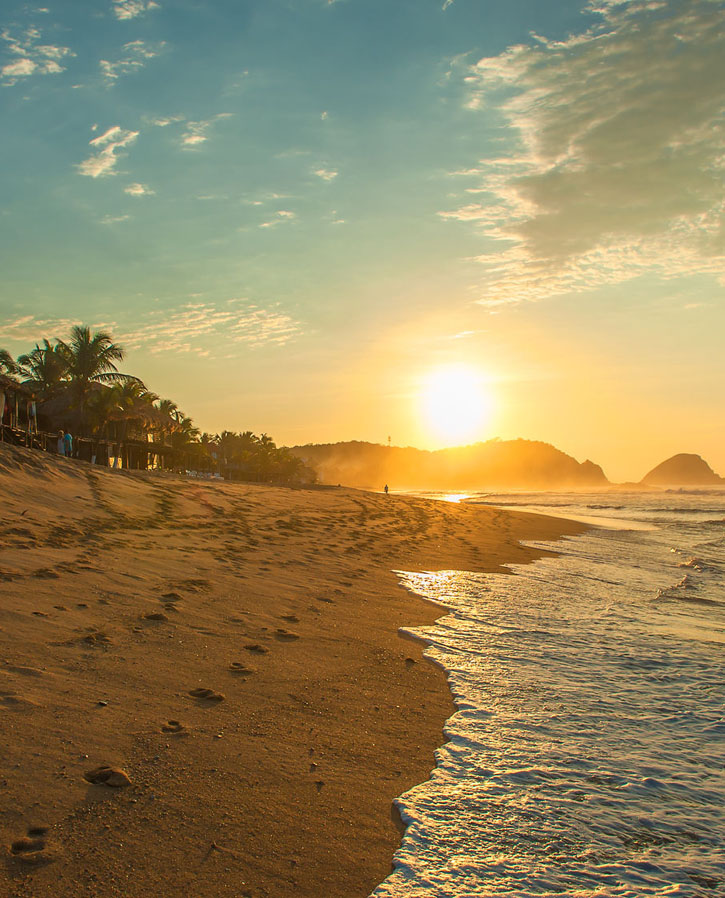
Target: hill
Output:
{"points": [[683, 470], [525, 464]]}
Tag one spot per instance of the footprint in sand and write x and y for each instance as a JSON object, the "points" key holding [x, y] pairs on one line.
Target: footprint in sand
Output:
{"points": [[45, 573], [281, 633], [238, 667], [207, 695], [14, 702], [23, 671], [107, 776], [95, 638], [171, 597], [257, 648], [34, 848], [174, 728], [155, 615], [292, 618]]}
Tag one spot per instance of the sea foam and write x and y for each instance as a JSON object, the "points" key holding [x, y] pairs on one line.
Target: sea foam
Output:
{"points": [[586, 756]]}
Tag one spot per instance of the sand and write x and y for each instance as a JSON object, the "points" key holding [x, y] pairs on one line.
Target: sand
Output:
{"points": [[202, 687]]}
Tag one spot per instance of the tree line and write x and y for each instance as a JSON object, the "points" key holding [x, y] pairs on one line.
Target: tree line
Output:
{"points": [[78, 380]]}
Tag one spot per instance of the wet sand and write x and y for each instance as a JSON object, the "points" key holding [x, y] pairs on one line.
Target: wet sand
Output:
{"points": [[202, 687]]}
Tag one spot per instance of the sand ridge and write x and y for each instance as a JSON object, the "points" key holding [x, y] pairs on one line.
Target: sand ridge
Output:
{"points": [[231, 650]]}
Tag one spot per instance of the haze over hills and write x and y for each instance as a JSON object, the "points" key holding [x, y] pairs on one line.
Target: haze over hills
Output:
{"points": [[684, 469], [506, 464]]}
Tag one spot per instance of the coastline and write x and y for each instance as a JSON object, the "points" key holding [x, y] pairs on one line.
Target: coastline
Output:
{"points": [[285, 786]]}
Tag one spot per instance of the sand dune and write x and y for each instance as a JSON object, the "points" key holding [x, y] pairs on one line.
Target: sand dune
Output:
{"points": [[202, 689]]}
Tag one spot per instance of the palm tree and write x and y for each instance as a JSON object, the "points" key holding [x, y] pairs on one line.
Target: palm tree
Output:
{"points": [[8, 366], [168, 407], [184, 433], [45, 368], [102, 409], [170, 415], [91, 359]]}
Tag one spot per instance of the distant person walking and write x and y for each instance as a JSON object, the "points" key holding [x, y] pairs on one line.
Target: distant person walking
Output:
{"points": [[68, 440], [386, 489], [32, 416], [61, 442]]}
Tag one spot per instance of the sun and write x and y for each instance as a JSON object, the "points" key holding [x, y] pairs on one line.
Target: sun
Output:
{"points": [[456, 403]]}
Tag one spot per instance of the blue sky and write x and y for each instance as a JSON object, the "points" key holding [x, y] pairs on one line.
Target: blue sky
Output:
{"points": [[289, 211]]}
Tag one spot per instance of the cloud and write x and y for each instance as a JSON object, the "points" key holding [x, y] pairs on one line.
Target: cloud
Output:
{"points": [[32, 58], [326, 174], [114, 219], [471, 212], [104, 161], [138, 190], [164, 121], [135, 56], [618, 166], [196, 132], [209, 327], [129, 9], [205, 328], [282, 216], [32, 329]]}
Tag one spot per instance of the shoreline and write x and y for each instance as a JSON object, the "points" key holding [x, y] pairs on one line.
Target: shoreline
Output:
{"points": [[122, 592]]}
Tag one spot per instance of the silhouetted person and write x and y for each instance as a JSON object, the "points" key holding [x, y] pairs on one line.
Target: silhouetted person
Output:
{"points": [[32, 415], [386, 489]]}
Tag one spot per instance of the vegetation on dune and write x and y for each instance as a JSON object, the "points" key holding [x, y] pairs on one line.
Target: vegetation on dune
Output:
{"points": [[77, 385]]}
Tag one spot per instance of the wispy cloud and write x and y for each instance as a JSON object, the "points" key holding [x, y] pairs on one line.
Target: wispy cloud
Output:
{"points": [[135, 56], [211, 327], [326, 174], [129, 9], [32, 328], [114, 219], [282, 215], [197, 132], [107, 145], [138, 190], [619, 168], [164, 121], [204, 328], [31, 57]]}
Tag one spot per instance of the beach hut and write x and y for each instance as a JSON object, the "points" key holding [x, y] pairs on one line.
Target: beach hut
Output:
{"points": [[17, 412]]}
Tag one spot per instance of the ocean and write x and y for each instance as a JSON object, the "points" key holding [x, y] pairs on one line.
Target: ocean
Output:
{"points": [[587, 754]]}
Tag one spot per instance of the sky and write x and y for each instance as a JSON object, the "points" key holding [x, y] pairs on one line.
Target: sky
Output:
{"points": [[300, 216]]}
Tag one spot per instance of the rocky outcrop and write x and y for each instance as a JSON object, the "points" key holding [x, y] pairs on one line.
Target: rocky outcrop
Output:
{"points": [[684, 469], [508, 464]]}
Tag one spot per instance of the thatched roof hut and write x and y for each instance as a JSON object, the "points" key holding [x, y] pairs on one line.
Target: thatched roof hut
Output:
{"points": [[14, 406]]}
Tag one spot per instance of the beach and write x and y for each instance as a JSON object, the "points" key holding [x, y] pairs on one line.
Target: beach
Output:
{"points": [[233, 650]]}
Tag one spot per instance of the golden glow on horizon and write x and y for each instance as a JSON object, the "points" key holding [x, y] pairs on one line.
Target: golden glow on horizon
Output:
{"points": [[456, 402]]}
